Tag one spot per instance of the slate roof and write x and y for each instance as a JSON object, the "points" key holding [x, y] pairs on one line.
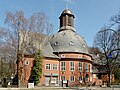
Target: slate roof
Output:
{"points": [[68, 41], [65, 40], [47, 50]]}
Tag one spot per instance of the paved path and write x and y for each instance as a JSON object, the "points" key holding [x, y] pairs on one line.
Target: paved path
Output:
{"points": [[61, 88]]}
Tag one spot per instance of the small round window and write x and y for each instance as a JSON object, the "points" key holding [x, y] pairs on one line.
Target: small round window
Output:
{"points": [[79, 56], [62, 55]]}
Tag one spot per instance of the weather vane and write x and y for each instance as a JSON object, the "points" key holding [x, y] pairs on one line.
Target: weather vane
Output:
{"points": [[67, 2], [66, 5]]}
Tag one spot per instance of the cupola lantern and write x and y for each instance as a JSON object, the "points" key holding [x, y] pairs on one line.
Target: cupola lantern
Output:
{"points": [[66, 20]]}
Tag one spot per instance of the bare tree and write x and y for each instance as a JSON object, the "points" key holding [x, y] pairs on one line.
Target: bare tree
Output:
{"points": [[115, 20], [20, 35], [7, 53], [107, 41], [39, 29]]}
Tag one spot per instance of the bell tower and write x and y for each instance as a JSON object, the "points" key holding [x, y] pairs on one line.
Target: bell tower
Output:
{"points": [[66, 20]]}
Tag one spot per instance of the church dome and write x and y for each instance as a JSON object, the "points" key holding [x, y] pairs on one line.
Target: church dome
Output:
{"points": [[67, 11], [68, 41]]}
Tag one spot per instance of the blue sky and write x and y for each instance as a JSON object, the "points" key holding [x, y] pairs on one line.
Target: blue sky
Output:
{"points": [[90, 15]]}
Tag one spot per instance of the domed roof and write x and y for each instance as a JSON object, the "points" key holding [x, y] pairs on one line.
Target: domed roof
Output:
{"points": [[68, 41], [67, 11]]}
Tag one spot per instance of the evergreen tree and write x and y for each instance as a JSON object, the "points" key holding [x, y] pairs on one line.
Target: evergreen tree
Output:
{"points": [[37, 68]]}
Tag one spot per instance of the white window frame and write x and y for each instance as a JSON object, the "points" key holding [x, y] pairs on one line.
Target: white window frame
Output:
{"points": [[72, 78], [55, 67], [61, 67], [87, 78], [61, 78], [47, 66], [91, 70], [87, 67], [80, 67], [72, 68]]}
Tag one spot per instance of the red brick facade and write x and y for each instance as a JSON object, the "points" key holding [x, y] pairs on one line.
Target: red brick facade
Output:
{"points": [[56, 72], [66, 60]]}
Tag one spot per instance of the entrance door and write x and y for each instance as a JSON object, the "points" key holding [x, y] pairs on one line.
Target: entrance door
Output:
{"points": [[47, 81], [54, 79]]}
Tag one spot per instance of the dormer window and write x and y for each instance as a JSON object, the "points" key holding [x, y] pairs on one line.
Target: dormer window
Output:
{"points": [[56, 44], [83, 45], [71, 43]]}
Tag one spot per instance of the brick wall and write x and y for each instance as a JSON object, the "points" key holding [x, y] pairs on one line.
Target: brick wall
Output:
{"points": [[64, 57]]}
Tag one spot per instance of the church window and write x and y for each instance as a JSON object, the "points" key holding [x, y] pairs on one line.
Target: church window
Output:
{"points": [[86, 77], [72, 78], [80, 78], [47, 66], [54, 66], [63, 78], [71, 66], [80, 66], [87, 68], [62, 66]]}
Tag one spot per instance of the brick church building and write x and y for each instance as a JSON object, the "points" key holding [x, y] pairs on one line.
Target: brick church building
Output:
{"points": [[65, 57]]}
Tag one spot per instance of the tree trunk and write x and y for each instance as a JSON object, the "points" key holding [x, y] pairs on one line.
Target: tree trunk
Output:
{"points": [[22, 71], [109, 79]]}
